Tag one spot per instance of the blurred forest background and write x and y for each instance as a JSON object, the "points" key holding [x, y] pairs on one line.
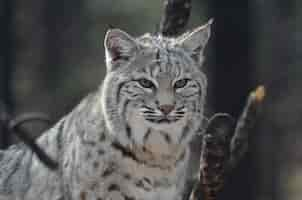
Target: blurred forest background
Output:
{"points": [[51, 56]]}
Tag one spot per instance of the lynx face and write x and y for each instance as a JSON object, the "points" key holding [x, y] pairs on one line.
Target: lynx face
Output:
{"points": [[154, 86]]}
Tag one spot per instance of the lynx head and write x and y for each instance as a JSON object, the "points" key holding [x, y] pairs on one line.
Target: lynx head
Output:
{"points": [[154, 84]]}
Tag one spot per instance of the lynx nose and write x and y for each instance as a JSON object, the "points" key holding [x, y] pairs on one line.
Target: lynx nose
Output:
{"points": [[166, 108]]}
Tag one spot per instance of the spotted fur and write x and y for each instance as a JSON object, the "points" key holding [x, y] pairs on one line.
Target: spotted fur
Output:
{"points": [[130, 139]]}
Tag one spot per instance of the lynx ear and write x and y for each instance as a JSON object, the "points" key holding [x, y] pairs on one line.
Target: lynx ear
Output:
{"points": [[195, 41], [119, 47]]}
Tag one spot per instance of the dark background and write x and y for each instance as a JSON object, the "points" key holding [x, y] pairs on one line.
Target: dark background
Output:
{"points": [[51, 56]]}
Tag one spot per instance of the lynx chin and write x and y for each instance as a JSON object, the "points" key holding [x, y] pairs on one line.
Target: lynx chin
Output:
{"points": [[129, 140]]}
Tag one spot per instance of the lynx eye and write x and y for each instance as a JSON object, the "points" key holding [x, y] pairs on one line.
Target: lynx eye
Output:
{"points": [[146, 83], [181, 83]]}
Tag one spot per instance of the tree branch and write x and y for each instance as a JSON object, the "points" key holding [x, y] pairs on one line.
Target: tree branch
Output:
{"points": [[245, 124], [222, 150], [175, 17], [12, 125]]}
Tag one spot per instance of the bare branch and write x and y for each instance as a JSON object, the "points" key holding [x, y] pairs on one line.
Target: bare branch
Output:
{"points": [[222, 149], [239, 143], [14, 126], [30, 142], [29, 117], [175, 18]]}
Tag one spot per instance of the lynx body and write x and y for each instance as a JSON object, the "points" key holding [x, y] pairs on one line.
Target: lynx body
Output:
{"points": [[130, 139]]}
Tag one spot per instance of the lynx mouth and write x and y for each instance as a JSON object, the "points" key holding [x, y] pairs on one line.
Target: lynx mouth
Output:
{"points": [[163, 120]]}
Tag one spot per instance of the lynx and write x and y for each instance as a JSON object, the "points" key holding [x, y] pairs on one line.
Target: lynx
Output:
{"points": [[129, 140]]}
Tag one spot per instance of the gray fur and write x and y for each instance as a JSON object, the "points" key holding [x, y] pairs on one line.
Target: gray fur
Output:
{"points": [[117, 143]]}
